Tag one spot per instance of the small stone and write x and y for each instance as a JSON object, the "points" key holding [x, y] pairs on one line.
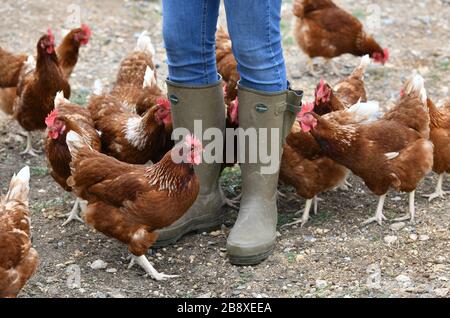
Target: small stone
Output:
{"points": [[403, 279], [321, 284], [207, 295], [424, 237], [111, 270], [397, 226], [116, 294], [98, 295], [396, 199], [309, 238], [441, 292], [373, 280], [413, 237], [99, 264], [389, 239], [216, 233]]}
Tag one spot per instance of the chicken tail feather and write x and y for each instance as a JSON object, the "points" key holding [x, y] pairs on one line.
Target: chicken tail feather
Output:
{"points": [[415, 87], [144, 44], [361, 69], [19, 186]]}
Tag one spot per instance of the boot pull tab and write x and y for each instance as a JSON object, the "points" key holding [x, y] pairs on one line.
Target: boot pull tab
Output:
{"points": [[261, 108], [174, 99]]}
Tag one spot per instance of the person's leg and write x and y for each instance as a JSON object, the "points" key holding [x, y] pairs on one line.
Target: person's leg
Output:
{"points": [[195, 92], [189, 37], [255, 31], [254, 27]]}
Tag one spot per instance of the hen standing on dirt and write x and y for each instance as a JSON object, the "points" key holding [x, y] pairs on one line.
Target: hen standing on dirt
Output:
{"points": [[392, 152], [64, 118], [440, 136], [323, 29], [37, 90], [129, 202]]}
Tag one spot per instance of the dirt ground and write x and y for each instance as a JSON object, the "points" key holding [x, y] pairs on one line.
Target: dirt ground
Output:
{"points": [[332, 256]]}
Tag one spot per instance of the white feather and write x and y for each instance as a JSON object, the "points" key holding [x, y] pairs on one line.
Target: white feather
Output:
{"points": [[60, 99], [19, 186], [391, 155], [98, 87], [74, 142], [24, 174], [417, 85], [149, 78], [366, 112], [30, 64], [365, 62], [144, 44]]}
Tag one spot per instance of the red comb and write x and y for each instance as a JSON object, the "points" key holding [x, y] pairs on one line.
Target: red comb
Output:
{"points": [[50, 119], [87, 30], [50, 35], [164, 102], [386, 54], [307, 107]]}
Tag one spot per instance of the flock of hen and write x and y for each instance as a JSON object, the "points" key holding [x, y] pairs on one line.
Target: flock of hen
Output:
{"points": [[99, 152]]}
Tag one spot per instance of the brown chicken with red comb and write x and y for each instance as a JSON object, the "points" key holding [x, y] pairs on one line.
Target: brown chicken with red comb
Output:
{"points": [[64, 118], [37, 90], [68, 50], [129, 137], [393, 152], [325, 30], [130, 202]]}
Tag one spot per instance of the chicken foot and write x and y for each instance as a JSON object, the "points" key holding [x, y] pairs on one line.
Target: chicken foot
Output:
{"points": [[73, 214], [232, 203], [305, 216], [379, 217], [144, 263], [439, 192], [412, 210], [29, 149]]}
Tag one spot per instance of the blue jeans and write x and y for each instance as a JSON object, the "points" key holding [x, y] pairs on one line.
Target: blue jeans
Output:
{"points": [[189, 28]]}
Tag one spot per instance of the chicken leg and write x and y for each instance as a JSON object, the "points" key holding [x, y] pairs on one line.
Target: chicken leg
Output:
{"points": [[439, 192], [316, 201], [305, 216], [311, 67], [143, 262], [412, 210], [379, 217], [29, 149], [73, 214], [331, 64], [232, 203]]}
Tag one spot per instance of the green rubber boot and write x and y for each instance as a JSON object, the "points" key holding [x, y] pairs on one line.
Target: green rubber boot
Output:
{"points": [[253, 236], [203, 103]]}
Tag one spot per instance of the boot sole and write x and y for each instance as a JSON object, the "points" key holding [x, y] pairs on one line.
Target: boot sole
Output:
{"points": [[250, 260], [192, 227]]}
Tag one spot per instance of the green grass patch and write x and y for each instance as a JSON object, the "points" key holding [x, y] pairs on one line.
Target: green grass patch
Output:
{"points": [[39, 171], [39, 206], [80, 97], [360, 14], [291, 256], [231, 179]]}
